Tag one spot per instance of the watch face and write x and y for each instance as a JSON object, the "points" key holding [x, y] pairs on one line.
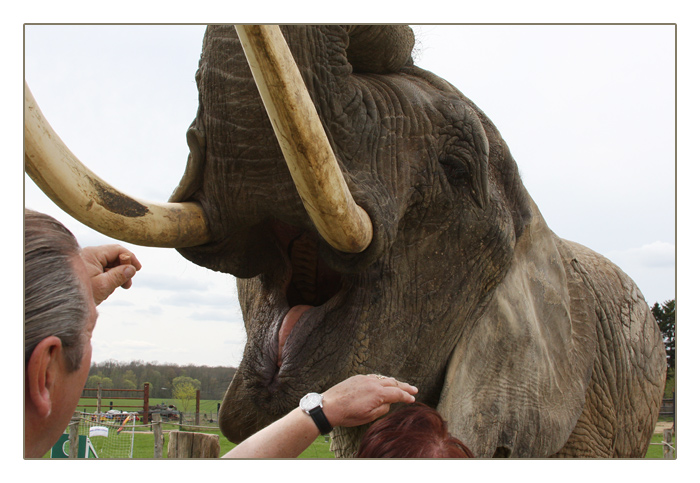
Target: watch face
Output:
{"points": [[310, 401]]}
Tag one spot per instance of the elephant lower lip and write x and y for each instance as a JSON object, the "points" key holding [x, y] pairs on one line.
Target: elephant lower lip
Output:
{"points": [[288, 324], [296, 334]]}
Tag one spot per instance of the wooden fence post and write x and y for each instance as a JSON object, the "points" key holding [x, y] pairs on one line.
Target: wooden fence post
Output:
{"points": [[146, 393], [193, 445], [674, 411], [158, 436], [73, 439], [196, 410], [668, 443], [99, 398]]}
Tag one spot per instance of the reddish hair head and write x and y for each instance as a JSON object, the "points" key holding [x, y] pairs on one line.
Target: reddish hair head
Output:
{"points": [[414, 431]]}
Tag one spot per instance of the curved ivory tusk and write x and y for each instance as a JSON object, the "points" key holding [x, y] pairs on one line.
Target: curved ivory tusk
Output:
{"points": [[93, 202], [306, 149]]}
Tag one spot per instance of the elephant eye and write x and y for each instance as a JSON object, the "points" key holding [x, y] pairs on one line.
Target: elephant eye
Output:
{"points": [[466, 171], [456, 170]]}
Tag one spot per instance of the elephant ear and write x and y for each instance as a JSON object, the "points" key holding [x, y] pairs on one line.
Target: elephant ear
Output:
{"points": [[517, 379]]}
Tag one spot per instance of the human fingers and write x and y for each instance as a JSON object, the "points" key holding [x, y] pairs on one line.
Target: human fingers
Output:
{"points": [[101, 256], [390, 381], [116, 255], [110, 256], [128, 258], [105, 284], [125, 259], [407, 387], [389, 396], [396, 394]]}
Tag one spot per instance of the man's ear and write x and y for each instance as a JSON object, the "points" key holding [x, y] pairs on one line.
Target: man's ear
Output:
{"points": [[42, 372]]}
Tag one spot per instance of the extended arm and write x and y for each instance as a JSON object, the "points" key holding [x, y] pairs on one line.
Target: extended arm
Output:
{"points": [[355, 401]]}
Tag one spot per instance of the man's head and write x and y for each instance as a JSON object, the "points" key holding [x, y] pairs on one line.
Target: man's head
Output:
{"points": [[60, 315]]}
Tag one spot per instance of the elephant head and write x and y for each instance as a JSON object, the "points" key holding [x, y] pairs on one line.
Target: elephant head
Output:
{"points": [[440, 187], [445, 276]]}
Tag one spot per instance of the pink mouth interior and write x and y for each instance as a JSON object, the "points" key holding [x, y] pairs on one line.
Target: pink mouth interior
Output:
{"points": [[288, 324]]}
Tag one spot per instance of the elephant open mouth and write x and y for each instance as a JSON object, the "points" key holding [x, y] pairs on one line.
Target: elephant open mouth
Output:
{"points": [[309, 286]]}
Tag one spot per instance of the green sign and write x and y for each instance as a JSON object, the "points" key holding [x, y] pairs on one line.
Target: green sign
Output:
{"points": [[62, 448]]}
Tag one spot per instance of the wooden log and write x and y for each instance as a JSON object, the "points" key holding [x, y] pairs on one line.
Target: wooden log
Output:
{"points": [[146, 392], [158, 436], [196, 411], [73, 436], [184, 444]]}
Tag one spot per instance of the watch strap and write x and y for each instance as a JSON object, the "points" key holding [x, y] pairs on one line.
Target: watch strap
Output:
{"points": [[320, 419]]}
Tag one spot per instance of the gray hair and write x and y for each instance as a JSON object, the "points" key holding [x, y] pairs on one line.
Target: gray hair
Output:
{"points": [[54, 300]]}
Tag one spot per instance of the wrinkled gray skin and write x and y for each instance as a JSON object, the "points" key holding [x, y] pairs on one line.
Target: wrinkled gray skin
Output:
{"points": [[529, 345]]}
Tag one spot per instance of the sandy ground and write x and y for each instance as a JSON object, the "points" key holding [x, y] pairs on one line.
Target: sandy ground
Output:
{"points": [[661, 425]]}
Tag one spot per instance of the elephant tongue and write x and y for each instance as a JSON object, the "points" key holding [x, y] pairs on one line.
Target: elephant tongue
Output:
{"points": [[288, 324]]}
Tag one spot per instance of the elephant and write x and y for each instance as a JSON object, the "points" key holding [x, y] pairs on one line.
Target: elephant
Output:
{"points": [[441, 272]]}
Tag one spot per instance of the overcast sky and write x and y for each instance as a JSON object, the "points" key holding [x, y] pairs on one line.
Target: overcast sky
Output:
{"points": [[587, 111]]}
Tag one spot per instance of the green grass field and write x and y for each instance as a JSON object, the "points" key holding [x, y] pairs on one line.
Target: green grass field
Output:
{"points": [[318, 449], [206, 406], [144, 440], [144, 444], [656, 450]]}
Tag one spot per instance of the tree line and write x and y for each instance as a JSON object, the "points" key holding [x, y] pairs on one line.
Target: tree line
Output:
{"points": [[665, 315], [163, 378]]}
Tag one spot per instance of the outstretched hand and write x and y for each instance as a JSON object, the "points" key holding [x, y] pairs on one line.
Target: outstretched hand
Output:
{"points": [[362, 399], [109, 267]]}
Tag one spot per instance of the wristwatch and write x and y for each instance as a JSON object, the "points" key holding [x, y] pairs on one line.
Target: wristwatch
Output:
{"points": [[312, 404]]}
